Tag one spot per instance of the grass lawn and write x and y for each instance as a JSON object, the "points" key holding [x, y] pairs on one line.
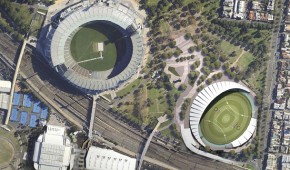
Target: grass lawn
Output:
{"points": [[164, 27], [42, 10], [152, 2], [255, 80], [36, 24], [108, 96], [84, 46], [164, 124], [173, 71], [6, 151], [129, 88], [228, 48], [159, 105], [245, 60], [227, 118]]}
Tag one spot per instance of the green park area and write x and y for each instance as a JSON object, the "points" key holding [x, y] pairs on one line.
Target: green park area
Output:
{"points": [[227, 118], [173, 71], [237, 56], [84, 46]]}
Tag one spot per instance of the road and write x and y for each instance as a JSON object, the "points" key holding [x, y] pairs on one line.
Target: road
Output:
{"points": [[271, 77], [76, 105]]}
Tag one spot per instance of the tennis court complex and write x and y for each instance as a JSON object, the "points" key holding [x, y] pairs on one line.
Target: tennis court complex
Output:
{"points": [[226, 118]]}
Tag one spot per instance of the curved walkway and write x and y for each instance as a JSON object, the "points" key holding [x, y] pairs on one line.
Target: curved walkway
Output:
{"points": [[160, 120], [191, 145]]}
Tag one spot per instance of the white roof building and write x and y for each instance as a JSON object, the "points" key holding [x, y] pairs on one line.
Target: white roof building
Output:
{"points": [[4, 101], [105, 159], [5, 86], [52, 150]]}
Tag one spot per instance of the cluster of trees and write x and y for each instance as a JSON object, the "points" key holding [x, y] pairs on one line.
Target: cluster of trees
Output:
{"points": [[181, 59], [192, 77], [20, 15], [184, 108]]}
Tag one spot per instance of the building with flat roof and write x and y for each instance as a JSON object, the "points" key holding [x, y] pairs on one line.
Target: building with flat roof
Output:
{"points": [[5, 86], [52, 150], [105, 159]]}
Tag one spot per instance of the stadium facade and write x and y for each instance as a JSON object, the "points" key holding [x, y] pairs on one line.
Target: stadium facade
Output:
{"points": [[53, 150], [70, 20], [201, 102]]}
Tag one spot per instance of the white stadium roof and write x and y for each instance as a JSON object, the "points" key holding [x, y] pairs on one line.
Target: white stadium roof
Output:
{"points": [[59, 49], [204, 98], [52, 150], [105, 159]]}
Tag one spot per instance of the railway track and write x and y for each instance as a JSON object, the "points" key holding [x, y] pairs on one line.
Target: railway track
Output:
{"points": [[75, 104]]}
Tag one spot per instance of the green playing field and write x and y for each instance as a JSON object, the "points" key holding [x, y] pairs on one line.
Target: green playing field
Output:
{"points": [[84, 43], [226, 119]]}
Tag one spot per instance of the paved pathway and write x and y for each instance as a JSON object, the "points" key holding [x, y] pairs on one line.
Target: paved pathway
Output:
{"points": [[14, 81], [160, 120], [93, 115]]}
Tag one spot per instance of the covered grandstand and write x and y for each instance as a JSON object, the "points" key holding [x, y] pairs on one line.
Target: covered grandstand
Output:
{"points": [[201, 103], [59, 53]]}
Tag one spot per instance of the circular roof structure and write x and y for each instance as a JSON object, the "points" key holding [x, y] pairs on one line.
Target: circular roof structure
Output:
{"points": [[216, 113], [78, 16]]}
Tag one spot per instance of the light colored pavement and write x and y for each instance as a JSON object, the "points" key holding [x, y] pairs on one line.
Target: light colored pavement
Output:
{"points": [[93, 113], [14, 81], [190, 143]]}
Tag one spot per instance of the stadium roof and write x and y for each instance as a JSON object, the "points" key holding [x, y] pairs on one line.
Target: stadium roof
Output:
{"points": [[204, 98], [105, 159], [52, 150], [60, 48], [5, 86]]}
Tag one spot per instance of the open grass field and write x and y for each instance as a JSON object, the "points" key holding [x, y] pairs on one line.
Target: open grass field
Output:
{"points": [[84, 51], [159, 105], [173, 71], [226, 118], [6, 151]]}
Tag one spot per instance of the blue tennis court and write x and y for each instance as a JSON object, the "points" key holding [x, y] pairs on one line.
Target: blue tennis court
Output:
{"points": [[36, 107], [33, 120], [14, 114], [44, 113], [16, 99], [27, 100], [23, 118]]}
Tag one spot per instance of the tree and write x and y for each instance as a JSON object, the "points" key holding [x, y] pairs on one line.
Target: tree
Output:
{"points": [[191, 49], [182, 87], [187, 36], [208, 81]]}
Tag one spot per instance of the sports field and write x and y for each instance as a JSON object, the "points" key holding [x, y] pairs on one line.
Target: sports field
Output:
{"points": [[84, 46], [6, 152], [226, 118]]}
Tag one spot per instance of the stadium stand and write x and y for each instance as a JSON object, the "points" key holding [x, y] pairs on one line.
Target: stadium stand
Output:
{"points": [[36, 107], [44, 113], [16, 99], [60, 38], [33, 121], [27, 100], [201, 102], [23, 118], [14, 115]]}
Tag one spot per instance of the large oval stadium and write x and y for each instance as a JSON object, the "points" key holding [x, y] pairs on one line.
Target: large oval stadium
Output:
{"points": [[96, 47], [222, 116]]}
